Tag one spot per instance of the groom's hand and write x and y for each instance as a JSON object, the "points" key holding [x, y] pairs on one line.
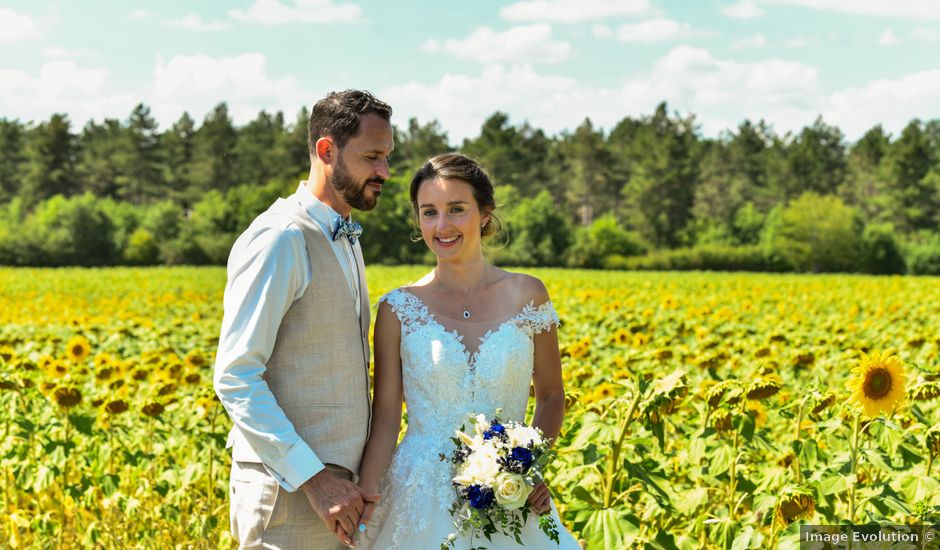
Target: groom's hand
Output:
{"points": [[337, 501]]}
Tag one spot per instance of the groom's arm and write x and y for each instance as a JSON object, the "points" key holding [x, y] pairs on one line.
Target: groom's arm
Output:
{"points": [[266, 274]]}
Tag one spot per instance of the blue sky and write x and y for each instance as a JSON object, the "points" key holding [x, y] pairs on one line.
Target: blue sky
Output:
{"points": [[550, 62]]}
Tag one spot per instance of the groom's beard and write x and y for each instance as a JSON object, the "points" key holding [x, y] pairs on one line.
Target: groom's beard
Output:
{"points": [[354, 195]]}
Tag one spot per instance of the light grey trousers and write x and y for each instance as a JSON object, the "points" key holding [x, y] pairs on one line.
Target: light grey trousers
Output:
{"points": [[264, 515]]}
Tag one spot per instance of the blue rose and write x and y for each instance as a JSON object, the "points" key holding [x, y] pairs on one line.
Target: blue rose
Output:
{"points": [[480, 497], [522, 456], [495, 430]]}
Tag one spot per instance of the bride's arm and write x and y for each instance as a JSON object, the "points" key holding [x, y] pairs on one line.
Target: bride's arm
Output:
{"points": [[549, 387], [386, 400], [549, 393]]}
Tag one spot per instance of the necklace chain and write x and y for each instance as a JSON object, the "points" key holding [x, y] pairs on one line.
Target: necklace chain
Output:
{"points": [[468, 299]]}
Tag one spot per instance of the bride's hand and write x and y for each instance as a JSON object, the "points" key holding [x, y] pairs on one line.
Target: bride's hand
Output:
{"points": [[540, 500]]}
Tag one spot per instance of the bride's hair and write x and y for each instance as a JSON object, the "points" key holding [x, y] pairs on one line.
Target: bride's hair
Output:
{"points": [[466, 169]]}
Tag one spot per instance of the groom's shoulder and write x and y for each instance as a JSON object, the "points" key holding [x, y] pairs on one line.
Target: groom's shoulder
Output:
{"points": [[268, 233]]}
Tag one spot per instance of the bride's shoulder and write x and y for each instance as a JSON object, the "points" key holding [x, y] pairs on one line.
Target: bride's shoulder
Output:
{"points": [[526, 289]]}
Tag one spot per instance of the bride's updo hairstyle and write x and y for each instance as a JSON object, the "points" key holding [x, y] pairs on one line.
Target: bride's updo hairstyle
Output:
{"points": [[460, 167]]}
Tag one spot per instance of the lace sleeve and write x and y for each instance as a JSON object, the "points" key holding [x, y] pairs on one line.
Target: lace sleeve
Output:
{"points": [[538, 319], [411, 312]]}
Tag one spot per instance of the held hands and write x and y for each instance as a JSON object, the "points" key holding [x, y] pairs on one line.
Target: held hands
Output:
{"points": [[540, 500], [341, 504]]}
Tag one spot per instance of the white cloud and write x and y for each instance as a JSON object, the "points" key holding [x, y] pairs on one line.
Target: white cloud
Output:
{"points": [[925, 35], [721, 92], [888, 38], [520, 44], [574, 11], [194, 22], [197, 83], [140, 14], [755, 42], [56, 52], [61, 86], [649, 31], [273, 12], [745, 9], [892, 103], [904, 9], [796, 42], [16, 27]]}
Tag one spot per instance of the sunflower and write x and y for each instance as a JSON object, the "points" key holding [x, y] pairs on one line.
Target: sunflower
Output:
{"points": [[153, 409], [932, 440], [823, 402], [878, 383], [78, 349], [722, 420], [116, 407], [762, 388], [66, 396], [793, 504], [195, 359]]}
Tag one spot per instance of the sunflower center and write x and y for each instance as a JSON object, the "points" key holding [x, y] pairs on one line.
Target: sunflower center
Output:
{"points": [[878, 383]]}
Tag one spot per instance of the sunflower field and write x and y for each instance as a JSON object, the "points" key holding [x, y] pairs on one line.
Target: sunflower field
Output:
{"points": [[703, 410]]}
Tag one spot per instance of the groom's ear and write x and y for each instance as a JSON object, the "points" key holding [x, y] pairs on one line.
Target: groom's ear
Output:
{"points": [[326, 150]]}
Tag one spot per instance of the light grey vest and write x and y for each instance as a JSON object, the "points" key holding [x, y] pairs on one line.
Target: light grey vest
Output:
{"points": [[319, 369]]}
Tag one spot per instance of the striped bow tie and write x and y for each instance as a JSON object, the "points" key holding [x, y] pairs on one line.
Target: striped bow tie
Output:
{"points": [[350, 230]]}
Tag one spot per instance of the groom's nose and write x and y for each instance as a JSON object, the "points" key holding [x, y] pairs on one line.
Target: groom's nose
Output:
{"points": [[382, 171]]}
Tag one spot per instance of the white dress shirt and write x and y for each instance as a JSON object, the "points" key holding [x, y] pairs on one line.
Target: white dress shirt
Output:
{"points": [[268, 270]]}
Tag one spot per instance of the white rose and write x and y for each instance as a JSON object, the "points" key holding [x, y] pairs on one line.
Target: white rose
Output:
{"points": [[511, 490], [521, 436], [481, 467], [481, 425]]}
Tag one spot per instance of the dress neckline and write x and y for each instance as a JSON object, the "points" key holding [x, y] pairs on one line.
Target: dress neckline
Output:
{"points": [[458, 337]]}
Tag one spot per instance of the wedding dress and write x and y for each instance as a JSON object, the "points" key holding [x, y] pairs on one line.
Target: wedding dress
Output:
{"points": [[443, 382]]}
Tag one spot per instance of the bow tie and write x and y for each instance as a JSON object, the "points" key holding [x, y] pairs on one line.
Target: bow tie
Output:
{"points": [[350, 230]]}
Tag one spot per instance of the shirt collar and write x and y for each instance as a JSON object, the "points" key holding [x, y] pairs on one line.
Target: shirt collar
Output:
{"points": [[317, 209]]}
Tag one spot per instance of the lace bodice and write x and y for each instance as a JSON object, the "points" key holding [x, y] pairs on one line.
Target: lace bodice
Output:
{"points": [[443, 382]]}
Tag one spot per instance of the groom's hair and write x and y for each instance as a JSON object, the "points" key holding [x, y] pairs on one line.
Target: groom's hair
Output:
{"points": [[338, 114]]}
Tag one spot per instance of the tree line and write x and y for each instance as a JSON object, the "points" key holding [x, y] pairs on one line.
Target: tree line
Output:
{"points": [[650, 193]]}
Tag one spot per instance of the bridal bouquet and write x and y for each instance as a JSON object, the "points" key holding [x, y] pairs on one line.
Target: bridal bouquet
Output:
{"points": [[496, 467]]}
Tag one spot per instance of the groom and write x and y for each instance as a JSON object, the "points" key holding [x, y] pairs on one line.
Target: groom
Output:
{"points": [[292, 368]]}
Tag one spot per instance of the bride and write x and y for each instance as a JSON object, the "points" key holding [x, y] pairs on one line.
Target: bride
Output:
{"points": [[468, 337]]}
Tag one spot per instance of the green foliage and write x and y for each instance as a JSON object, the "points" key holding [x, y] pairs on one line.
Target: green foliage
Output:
{"points": [[65, 231], [923, 257], [141, 248], [602, 239], [815, 233], [388, 230], [713, 257], [880, 252], [537, 232], [194, 186]]}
